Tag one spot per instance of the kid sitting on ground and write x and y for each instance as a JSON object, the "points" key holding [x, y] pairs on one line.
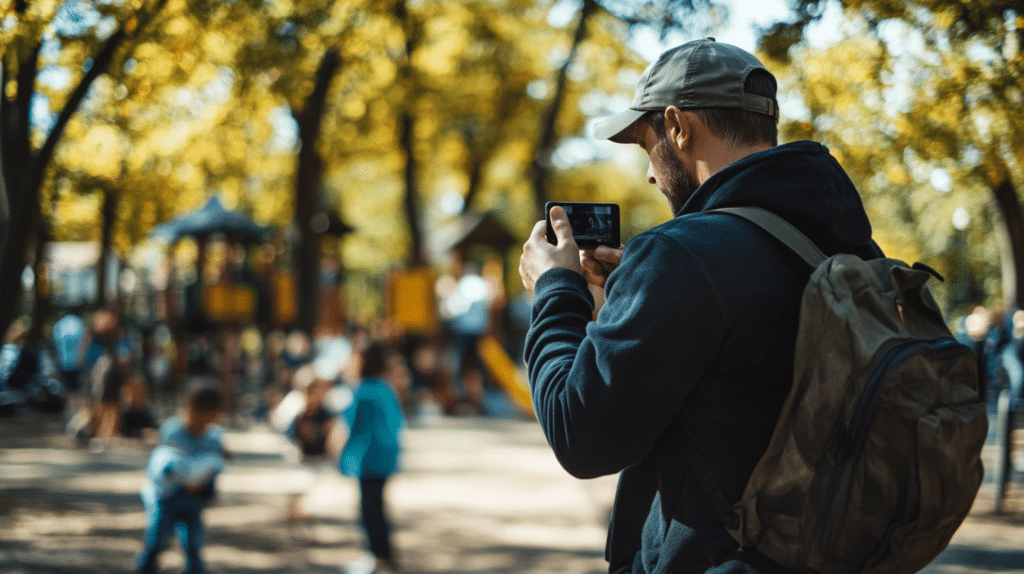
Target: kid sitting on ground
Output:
{"points": [[313, 442]]}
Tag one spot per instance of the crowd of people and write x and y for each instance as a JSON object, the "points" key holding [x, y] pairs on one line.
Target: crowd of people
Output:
{"points": [[997, 339], [338, 404], [326, 426]]}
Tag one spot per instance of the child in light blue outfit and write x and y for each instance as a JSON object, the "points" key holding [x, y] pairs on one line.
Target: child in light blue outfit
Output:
{"points": [[371, 453], [180, 479]]}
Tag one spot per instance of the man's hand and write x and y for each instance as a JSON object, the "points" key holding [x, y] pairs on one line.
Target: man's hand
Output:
{"points": [[599, 263], [540, 256]]}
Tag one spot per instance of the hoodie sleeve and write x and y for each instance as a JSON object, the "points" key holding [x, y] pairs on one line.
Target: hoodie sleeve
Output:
{"points": [[604, 391], [167, 466]]}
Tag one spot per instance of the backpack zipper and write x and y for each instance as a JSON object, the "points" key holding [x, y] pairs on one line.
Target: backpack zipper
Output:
{"points": [[851, 440]]}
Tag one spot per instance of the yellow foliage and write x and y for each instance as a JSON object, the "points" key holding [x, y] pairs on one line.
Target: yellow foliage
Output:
{"points": [[217, 47], [281, 8], [99, 153], [168, 140], [178, 26], [352, 107], [944, 18], [75, 217], [897, 175], [203, 73]]}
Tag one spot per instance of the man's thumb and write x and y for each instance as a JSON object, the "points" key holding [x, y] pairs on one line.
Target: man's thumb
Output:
{"points": [[560, 224]]}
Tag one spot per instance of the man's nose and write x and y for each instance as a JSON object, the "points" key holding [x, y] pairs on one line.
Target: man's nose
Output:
{"points": [[650, 174]]}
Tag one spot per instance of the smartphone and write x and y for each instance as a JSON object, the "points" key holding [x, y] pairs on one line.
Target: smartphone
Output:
{"points": [[592, 224]]}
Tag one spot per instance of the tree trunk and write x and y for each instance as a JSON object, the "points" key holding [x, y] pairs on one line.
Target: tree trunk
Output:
{"points": [[541, 164], [407, 132], [24, 168], [5, 210], [406, 129], [475, 173], [108, 217], [41, 287], [18, 162], [309, 176], [1009, 225]]}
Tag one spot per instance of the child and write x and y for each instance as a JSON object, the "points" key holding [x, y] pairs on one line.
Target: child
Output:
{"points": [[137, 420], [371, 452], [310, 434], [180, 479]]}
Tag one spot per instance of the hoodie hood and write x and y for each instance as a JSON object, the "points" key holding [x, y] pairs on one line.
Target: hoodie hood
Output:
{"points": [[800, 182]]}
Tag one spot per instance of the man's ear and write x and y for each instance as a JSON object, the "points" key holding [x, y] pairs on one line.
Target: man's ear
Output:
{"points": [[679, 127]]}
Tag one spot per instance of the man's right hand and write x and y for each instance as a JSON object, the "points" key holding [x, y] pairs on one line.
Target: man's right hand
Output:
{"points": [[599, 263], [540, 256]]}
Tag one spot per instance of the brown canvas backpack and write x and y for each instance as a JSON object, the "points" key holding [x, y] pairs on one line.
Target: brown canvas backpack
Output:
{"points": [[876, 458]]}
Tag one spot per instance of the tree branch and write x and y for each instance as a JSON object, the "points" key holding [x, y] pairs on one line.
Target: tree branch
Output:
{"points": [[100, 63], [99, 66], [541, 164]]}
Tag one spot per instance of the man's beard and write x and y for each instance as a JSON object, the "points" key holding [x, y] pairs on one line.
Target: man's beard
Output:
{"points": [[677, 182]]}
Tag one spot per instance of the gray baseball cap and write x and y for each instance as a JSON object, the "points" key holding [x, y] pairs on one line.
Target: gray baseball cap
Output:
{"points": [[699, 74]]}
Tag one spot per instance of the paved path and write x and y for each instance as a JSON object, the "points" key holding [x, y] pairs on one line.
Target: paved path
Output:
{"points": [[476, 496]]}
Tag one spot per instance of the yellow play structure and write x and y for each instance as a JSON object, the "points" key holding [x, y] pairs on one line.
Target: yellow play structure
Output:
{"points": [[504, 372]]}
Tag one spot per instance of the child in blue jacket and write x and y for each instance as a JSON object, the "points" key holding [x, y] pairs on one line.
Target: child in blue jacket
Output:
{"points": [[373, 447], [180, 479]]}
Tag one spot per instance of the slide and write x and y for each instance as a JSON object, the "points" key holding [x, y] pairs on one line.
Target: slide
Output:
{"points": [[504, 371]]}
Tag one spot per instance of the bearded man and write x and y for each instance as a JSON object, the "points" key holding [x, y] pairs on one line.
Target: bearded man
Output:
{"points": [[694, 342]]}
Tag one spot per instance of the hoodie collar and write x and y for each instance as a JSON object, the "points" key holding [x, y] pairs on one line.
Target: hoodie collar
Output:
{"points": [[802, 183]]}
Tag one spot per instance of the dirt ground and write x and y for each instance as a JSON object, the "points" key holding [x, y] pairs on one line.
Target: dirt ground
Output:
{"points": [[475, 495]]}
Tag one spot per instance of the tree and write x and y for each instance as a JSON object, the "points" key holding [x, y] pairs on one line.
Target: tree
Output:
{"points": [[5, 218], [307, 191], [316, 34], [665, 16], [246, 100], [25, 163], [936, 89]]}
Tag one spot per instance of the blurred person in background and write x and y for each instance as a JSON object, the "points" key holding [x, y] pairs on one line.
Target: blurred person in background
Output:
{"points": [[180, 479], [465, 306], [371, 453], [68, 337], [137, 420], [109, 373], [973, 332], [314, 439], [13, 341], [1012, 361]]}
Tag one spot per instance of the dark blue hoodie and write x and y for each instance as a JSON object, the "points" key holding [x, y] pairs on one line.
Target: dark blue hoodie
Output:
{"points": [[696, 336]]}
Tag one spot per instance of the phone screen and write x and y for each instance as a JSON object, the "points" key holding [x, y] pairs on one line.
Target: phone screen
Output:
{"points": [[592, 224]]}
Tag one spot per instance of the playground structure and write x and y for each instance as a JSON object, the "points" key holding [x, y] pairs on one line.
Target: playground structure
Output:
{"points": [[505, 373], [414, 296]]}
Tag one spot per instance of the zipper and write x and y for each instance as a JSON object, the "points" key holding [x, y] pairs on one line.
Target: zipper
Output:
{"points": [[851, 438]]}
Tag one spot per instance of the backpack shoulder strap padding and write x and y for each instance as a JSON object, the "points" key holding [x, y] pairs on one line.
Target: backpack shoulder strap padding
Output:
{"points": [[781, 230], [790, 236]]}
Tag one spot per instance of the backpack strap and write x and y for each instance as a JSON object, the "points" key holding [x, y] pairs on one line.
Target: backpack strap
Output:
{"points": [[790, 236], [720, 501], [779, 229]]}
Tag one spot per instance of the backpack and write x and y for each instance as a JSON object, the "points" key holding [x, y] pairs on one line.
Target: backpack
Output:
{"points": [[876, 457]]}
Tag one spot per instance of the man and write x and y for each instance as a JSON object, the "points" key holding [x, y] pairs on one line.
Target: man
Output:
{"points": [[697, 332]]}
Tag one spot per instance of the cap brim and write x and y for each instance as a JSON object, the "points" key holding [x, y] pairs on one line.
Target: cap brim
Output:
{"points": [[616, 127]]}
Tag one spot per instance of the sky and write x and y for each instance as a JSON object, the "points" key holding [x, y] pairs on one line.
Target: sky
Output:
{"points": [[744, 16]]}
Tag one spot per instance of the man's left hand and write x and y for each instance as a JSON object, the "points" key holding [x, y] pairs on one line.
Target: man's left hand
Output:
{"points": [[540, 256]]}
